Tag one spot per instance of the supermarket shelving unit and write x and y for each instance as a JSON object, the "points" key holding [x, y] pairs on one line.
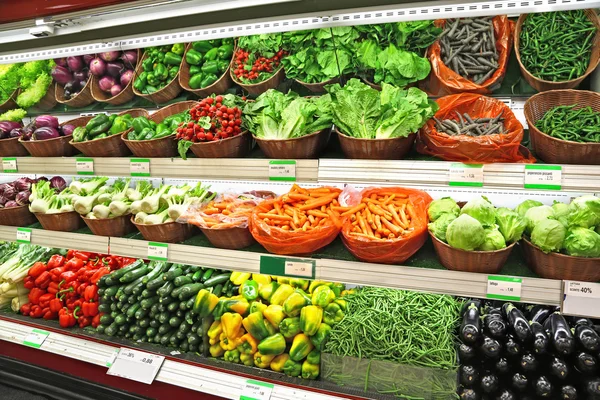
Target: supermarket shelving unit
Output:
{"points": [[142, 24]]}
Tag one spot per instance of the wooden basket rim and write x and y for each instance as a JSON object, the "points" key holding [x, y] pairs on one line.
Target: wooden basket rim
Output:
{"points": [[104, 219], [132, 219], [130, 84], [372, 140], [252, 85], [221, 140], [68, 102], [492, 252], [13, 208], [137, 93], [559, 255], [13, 138], [288, 140]]}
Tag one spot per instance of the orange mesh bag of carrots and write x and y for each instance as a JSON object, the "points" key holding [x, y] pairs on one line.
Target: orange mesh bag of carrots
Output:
{"points": [[299, 222], [388, 226], [444, 79], [473, 147]]}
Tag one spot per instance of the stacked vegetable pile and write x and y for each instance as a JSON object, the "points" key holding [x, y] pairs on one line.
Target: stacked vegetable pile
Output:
{"points": [[208, 60], [557, 46], [15, 261], [561, 227], [478, 226], [258, 57], [362, 112], [526, 352], [396, 342], [568, 123], [465, 125], [102, 126], [33, 78], [93, 199], [64, 288], [279, 324], [146, 129], [160, 67], [114, 69], [72, 73], [16, 193], [154, 303], [43, 127], [275, 115]]}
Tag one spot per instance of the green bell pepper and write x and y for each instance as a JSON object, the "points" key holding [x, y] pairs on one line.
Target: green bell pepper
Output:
{"points": [[139, 123], [320, 338], [178, 48], [160, 57], [196, 81], [132, 135], [79, 134], [272, 345], [314, 357], [301, 346], [97, 121], [211, 54], [290, 327], [152, 80], [332, 314], [201, 46], [146, 134], [120, 124], [100, 136], [140, 81], [208, 80], [227, 41], [225, 52], [310, 370], [222, 65], [193, 57], [160, 72], [195, 69], [173, 72], [173, 59], [148, 64], [210, 67], [249, 290], [292, 368], [150, 89], [162, 130]]}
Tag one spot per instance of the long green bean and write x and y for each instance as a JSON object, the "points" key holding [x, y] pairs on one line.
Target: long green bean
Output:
{"points": [[570, 123]]}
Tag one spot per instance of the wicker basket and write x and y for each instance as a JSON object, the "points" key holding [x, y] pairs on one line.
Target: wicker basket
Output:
{"points": [[231, 238], [10, 103], [167, 93], [165, 146], [234, 147], [170, 232], [376, 149], [48, 102], [560, 266], [318, 87], [256, 89], [220, 86], [65, 222], [122, 98], [308, 146], [553, 150], [542, 85], [115, 227], [12, 148], [58, 147], [111, 146], [81, 99], [487, 262], [17, 216]]}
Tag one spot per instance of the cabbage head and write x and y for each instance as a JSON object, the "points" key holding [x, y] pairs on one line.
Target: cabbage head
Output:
{"points": [[584, 211], [549, 235], [442, 206], [526, 205], [482, 210], [534, 215], [440, 226], [465, 233], [582, 242], [493, 240], [561, 212], [510, 224]]}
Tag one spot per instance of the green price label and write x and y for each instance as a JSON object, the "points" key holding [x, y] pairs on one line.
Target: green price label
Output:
{"points": [[544, 177], [282, 170], [9, 164], [292, 267]]}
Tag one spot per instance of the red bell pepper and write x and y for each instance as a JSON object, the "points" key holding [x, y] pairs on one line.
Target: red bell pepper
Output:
{"points": [[29, 282], [99, 274], [57, 272], [56, 261], [84, 321], [34, 295], [25, 309], [36, 311], [74, 264], [44, 300], [67, 318], [49, 314], [43, 280], [90, 309], [73, 304], [53, 288], [81, 288], [83, 255], [96, 320], [37, 269], [68, 276], [91, 293], [56, 304]]}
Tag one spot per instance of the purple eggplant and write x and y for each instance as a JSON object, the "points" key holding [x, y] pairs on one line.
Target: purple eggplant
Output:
{"points": [[46, 121], [80, 75], [62, 75], [109, 56], [16, 133], [75, 63], [116, 89], [87, 59], [6, 127], [61, 62], [98, 67], [11, 203], [45, 133], [115, 69], [126, 77], [67, 130], [106, 83], [129, 58]]}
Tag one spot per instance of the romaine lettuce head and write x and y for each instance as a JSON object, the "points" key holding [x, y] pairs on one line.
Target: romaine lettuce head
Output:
{"points": [[582, 242], [482, 210], [493, 240], [440, 226], [522, 208], [465, 233], [584, 211], [510, 224], [549, 235], [534, 215], [442, 206]]}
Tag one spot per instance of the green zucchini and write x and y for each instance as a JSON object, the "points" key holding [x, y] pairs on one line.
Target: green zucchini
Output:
{"points": [[144, 322], [157, 269], [184, 346], [163, 329], [186, 291], [207, 274], [121, 319], [194, 339], [175, 321], [217, 290], [197, 277], [172, 274], [106, 319], [183, 306], [215, 280], [137, 283], [163, 318], [112, 329], [100, 328], [164, 340], [105, 307], [141, 312], [148, 303], [135, 274], [193, 348], [172, 307], [132, 310], [154, 323], [111, 291], [116, 275], [151, 332], [182, 280], [165, 289]]}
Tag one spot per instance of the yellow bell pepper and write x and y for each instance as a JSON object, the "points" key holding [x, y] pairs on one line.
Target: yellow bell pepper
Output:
{"points": [[281, 294], [301, 347], [205, 303], [299, 283], [215, 330], [347, 292], [239, 306], [262, 360], [322, 296], [295, 302], [228, 343], [278, 362], [283, 281], [255, 325], [310, 371], [248, 344], [274, 314], [257, 306], [315, 284], [237, 278], [310, 319], [266, 291], [247, 359], [216, 350], [271, 328], [262, 279], [274, 344], [231, 324], [342, 303]]}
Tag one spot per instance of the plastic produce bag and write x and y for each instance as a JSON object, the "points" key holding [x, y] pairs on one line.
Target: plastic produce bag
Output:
{"points": [[444, 81], [388, 251], [474, 149]]}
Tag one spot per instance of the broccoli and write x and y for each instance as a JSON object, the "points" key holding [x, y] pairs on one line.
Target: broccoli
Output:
{"points": [[33, 94], [15, 115], [9, 80]]}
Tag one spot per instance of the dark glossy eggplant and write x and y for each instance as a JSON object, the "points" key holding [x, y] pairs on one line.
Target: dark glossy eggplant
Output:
{"points": [[519, 382], [470, 329], [585, 363], [502, 366], [592, 387], [540, 339], [495, 326], [539, 313], [489, 383], [559, 368], [560, 334], [528, 363], [468, 375], [574, 321], [506, 395], [469, 394], [568, 392], [587, 338], [491, 348], [466, 352], [517, 322], [543, 387], [513, 348]]}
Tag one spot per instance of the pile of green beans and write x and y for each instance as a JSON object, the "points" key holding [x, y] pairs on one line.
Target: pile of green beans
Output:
{"points": [[465, 125], [557, 46], [396, 325], [568, 123], [468, 47]]}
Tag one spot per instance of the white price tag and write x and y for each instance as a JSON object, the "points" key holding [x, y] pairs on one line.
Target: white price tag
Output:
{"points": [[23, 235], [545, 177], [466, 175], [299, 268], [139, 167], [504, 288], [256, 390], [36, 338], [282, 170], [9, 164], [136, 365], [157, 251], [84, 166], [581, 298]]}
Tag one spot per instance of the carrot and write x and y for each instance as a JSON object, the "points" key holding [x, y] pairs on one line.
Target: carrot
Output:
{"points": [[321, 201], [354, 210], [275, 217], [298, 196], [393, 228], [317, 213]]}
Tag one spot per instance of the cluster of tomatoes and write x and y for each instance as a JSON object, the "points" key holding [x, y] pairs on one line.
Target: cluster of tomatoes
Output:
{"points": [[248, 67], [225, 122]]}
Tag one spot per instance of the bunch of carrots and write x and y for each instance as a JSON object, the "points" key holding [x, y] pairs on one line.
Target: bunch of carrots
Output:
{"points": [[381, 216], [303, 209]]}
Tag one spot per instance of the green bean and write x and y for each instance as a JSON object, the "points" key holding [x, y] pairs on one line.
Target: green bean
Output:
{"points": [[567, 123]]}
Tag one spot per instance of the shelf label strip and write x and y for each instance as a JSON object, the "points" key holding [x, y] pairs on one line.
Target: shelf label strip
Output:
{"points": [[24, 235], [136, 365], [292, 267], [282, 170], [157, 251], [581, 298], [84, 166], [545, 177], [139, 167], [466, 175], [504, 288], [9, 164], [256, 390], [36, 338]]}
